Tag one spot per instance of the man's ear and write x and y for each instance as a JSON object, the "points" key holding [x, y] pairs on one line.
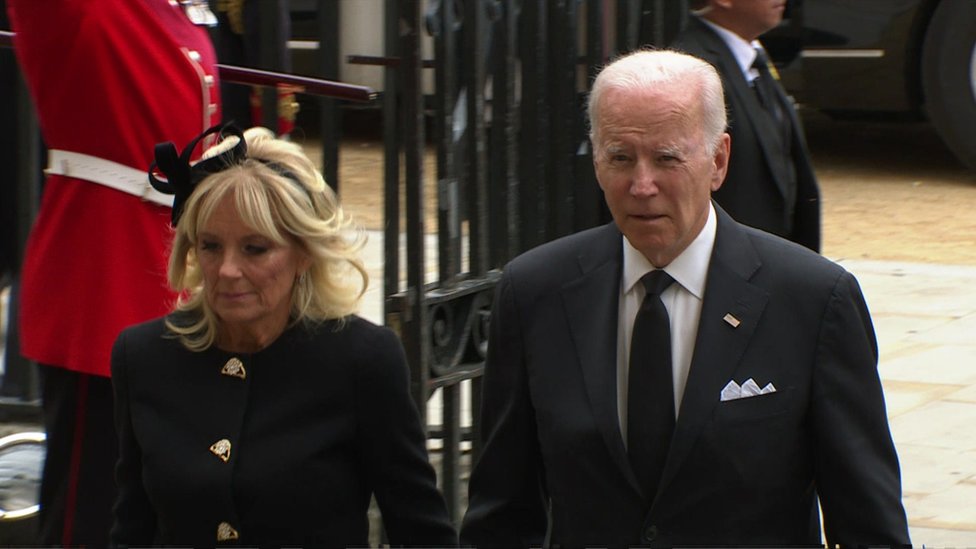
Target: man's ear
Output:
{"points": [[720, 161]]}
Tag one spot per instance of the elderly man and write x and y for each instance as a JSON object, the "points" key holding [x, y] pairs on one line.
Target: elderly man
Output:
{"points": [[675, 377]]}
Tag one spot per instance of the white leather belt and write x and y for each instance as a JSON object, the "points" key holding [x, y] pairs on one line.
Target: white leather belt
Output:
{"points": [[105, 172]]}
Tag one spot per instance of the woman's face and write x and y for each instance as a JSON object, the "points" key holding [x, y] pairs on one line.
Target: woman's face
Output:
{"points": [[248, 277]]}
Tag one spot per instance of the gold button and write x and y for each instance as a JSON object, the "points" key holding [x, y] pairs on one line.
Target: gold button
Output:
{"points": [[226, 532], [234, 368], [221, 449]]}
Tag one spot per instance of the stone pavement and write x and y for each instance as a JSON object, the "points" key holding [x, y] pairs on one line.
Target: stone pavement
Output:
{"points": [[925, 318]]}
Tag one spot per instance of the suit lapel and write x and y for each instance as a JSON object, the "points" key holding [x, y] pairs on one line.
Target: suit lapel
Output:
{"points": [[591, 303], [719, 345]]}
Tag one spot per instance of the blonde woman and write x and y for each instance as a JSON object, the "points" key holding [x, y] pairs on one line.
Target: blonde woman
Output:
{"points": [[262, 411]]}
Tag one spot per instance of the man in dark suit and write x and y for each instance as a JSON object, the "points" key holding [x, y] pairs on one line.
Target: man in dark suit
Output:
{"points": [[770, 184], [772, 401]]}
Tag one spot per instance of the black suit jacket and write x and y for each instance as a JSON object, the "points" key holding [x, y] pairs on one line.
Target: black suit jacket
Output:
{"points": [[322, 421], [554, 468], [758, 190]]}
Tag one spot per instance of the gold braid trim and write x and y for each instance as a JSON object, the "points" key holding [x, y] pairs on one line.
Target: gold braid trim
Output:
{"points": [[287, 106]]}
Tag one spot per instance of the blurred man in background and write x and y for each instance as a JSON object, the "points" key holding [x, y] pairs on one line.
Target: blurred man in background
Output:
{"points": [[771, 184]]}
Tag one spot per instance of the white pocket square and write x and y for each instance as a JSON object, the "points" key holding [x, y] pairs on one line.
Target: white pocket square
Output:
{"points": [[749, 388]]}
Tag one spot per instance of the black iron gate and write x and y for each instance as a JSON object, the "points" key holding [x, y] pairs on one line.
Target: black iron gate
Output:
{"points": [[513, 168]]}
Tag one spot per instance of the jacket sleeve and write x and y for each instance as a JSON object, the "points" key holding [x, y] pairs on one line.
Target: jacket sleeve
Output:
{"points": [[857, 472], [507, 504], [394, 448], [134, 520]]}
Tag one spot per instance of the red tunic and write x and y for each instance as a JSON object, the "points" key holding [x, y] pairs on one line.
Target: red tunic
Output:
{"points": [[109, 78]]}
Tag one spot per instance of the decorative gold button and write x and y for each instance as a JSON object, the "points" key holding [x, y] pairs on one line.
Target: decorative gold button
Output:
{"points": [[221, 449], [226, 532], [234, 368]]}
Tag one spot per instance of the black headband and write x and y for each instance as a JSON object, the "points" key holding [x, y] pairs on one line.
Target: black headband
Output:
{"points": [[181, 176]]}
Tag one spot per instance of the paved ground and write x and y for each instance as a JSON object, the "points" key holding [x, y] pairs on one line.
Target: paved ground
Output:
{"points": [[898, 212], [892, 192], [925, 317]]}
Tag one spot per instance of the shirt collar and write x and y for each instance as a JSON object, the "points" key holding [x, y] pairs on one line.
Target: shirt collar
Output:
{"points": [[743, 51], [688, 269]]}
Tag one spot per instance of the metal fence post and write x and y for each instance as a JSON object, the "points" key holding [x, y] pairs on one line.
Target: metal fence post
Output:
{"points": [[415, 329], [329, 30]]}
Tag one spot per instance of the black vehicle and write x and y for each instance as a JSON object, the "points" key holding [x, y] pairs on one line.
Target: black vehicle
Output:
{"points": [[885, 58]]}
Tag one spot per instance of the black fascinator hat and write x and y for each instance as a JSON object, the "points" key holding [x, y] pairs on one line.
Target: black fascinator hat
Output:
{"points": [[181, 177]]}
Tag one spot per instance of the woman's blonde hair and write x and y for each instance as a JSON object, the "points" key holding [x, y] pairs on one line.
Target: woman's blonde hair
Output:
{"points": [[280, 194]]}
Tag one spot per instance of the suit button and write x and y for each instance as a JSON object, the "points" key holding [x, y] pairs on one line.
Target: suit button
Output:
{"points": [[226, 532], [650, 533], [234, 367], [221, 449]]}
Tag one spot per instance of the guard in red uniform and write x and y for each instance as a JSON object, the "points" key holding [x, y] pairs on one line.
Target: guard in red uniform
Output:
{"points": [[109, 79]]}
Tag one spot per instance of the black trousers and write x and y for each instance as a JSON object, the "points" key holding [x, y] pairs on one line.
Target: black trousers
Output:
{"points": [[78, 484]]}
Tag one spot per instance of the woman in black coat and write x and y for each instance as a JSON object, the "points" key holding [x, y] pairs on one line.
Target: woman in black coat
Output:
{"points": [[262, 411]]}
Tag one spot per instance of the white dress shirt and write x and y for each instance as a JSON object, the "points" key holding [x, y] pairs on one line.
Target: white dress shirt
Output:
{"points": [[683, 300], [743, 50]]}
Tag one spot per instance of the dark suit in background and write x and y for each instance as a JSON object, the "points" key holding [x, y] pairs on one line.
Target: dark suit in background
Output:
{"points": [[771, 184]]}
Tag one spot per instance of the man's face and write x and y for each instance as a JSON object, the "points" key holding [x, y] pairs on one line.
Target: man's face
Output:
{"points": [[653, 165], [749, 18]]}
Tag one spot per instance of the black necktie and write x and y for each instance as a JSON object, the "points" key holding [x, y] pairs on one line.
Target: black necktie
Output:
{"points": [[765, 86], [650, 393]]}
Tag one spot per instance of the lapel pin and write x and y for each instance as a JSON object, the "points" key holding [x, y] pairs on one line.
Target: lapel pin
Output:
{"points": [[731, 320]]}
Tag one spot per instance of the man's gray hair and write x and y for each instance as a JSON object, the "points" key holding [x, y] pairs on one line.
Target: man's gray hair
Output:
{"points": [[646, 68]]}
